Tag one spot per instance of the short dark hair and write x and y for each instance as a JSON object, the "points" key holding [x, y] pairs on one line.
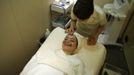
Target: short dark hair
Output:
{"points": [[83, 9]]}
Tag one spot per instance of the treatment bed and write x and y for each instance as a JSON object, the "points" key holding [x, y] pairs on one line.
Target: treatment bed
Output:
{"points": [[92, 56]]}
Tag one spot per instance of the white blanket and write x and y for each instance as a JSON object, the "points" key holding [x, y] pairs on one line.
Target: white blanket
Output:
{"points": [[58, 62], [34, 68], [92, 56]]}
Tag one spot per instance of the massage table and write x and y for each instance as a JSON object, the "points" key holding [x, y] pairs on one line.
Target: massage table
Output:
{"points": [[92, 56]]}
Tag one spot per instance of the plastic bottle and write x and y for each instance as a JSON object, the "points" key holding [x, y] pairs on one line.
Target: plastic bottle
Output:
{"points": [[47, 32]]}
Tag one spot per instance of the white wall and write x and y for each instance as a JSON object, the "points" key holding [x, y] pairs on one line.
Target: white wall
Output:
{"points": [[22, 23]]}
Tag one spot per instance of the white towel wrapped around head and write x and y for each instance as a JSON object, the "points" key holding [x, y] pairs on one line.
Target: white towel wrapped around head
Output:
{"points": [[80, 42]]}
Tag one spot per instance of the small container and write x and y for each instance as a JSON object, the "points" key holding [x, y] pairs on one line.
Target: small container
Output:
{"points": [[47, 33]]}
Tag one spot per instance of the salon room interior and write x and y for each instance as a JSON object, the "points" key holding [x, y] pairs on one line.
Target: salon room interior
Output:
{"points": [[24, 22]]}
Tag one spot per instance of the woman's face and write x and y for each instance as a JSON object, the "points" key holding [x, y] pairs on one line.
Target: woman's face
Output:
{"points": [[69, 44]]}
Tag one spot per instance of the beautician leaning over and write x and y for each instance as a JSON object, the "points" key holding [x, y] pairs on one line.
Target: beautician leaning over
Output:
{"points": [[88, 20]]}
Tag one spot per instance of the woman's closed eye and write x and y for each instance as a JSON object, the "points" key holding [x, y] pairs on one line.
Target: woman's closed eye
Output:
{"points": [[65, 39]]}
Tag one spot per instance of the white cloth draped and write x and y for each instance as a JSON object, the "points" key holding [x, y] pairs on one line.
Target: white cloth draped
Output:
{"points": [[68, 64]]}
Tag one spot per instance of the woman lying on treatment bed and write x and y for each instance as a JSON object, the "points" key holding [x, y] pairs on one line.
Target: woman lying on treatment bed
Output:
{"points": [[60, 62], [93, 57]]}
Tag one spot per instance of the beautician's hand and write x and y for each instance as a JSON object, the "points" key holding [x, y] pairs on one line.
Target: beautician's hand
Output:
{"points": [[92, 40], [70, 30], [72, 27]]}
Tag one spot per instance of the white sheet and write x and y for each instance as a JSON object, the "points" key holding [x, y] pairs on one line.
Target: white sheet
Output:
{"points": [[92, 56]]}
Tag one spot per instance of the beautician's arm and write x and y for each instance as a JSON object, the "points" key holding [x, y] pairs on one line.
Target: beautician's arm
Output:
{"points": [[92, 40], [99, 30]]}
